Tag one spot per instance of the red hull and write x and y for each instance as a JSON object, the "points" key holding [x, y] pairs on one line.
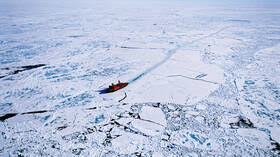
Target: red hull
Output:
{"points": [[116, 87]]}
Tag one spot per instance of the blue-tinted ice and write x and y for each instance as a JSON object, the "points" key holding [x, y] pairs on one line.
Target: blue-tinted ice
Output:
{"points": [[221, 60]]}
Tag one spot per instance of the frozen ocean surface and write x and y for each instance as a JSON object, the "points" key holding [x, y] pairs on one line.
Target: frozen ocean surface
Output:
{"points": [[204, 78]]}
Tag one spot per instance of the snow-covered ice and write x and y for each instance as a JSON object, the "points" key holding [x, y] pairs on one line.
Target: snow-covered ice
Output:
{"points": [[203, 78]]}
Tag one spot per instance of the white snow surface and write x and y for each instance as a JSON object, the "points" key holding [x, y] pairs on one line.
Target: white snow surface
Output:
{"points": [[203, 78]]}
